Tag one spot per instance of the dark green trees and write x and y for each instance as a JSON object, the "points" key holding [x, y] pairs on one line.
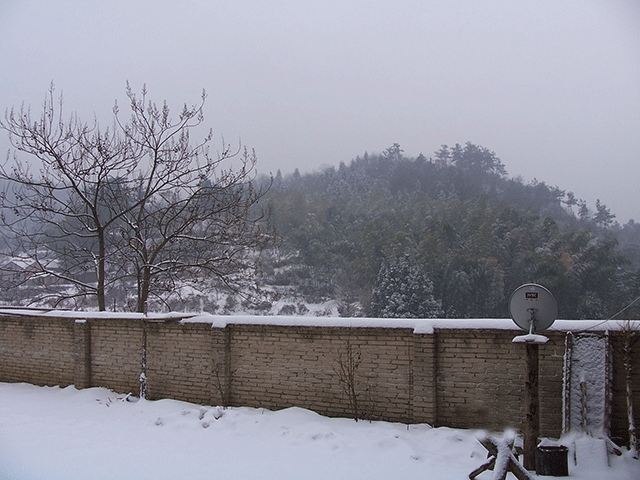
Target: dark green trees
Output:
{"points": [[473, 236], [404, 291]]}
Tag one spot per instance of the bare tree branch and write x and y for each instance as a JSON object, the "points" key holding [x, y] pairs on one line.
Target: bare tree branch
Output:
{"points": [[138, 202]]}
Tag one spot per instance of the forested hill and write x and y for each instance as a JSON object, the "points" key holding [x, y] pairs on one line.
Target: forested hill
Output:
{"points": [[451, 235]]}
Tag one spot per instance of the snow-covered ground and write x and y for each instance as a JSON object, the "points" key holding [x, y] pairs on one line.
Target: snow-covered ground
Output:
{"points": [[63, 433]]}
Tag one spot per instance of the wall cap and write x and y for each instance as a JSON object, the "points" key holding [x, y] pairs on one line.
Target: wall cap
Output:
{"points": [[424, 326]]}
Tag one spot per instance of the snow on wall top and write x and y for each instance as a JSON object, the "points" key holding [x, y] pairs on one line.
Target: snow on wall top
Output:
{"points": [[419, 326], [84, 315]]}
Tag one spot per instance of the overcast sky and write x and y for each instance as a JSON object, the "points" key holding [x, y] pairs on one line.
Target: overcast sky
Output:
{"points": [[552, 86]]}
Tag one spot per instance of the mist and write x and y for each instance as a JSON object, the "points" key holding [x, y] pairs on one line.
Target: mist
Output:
{"points": [[550, 86]]}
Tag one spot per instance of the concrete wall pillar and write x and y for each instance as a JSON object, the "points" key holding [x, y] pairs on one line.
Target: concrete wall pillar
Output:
{"points": [[82, 344]]}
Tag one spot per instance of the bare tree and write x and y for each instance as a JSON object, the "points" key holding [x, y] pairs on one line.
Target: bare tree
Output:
{"points": [[56, 212], [138, 202], [349, 359], [188, 214]]}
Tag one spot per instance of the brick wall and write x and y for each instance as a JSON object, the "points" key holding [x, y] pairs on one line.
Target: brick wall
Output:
{"points": [[480, 376], [466, 378], [277, 367], [180, 363], [619, 417], [115, 353], [41, 351]]}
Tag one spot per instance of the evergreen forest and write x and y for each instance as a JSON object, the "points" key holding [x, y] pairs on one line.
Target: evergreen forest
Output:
{"points": [[451, 235]]}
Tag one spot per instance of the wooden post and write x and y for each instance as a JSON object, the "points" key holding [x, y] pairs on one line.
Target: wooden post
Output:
{"points": [[566, 381], [532, 407]]}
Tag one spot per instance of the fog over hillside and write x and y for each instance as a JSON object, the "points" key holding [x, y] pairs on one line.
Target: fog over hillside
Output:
{"points": [[387, 235]]}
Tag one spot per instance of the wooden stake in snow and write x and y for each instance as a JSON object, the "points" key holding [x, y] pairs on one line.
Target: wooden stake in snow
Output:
{"points": [[583, 405]]}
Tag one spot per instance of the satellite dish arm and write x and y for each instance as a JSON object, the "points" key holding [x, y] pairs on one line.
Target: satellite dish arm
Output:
{"points": [[532, 320]]}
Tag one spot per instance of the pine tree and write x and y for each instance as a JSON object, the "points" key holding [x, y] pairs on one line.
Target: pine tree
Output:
{"points": [[404, 291]]}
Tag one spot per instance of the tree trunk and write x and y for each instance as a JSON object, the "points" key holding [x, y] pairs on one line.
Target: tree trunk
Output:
{"points": [[102, 305], [143, 289]]}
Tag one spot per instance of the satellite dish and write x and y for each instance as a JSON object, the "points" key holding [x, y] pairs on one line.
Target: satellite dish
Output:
{"points": [[533, 308]]}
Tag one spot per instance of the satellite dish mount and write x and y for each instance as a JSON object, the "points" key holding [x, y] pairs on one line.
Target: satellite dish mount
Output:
{"points": [[532, 320]]}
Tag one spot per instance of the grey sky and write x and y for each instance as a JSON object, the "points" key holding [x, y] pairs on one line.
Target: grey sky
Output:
{"points": [[552, 86]]}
